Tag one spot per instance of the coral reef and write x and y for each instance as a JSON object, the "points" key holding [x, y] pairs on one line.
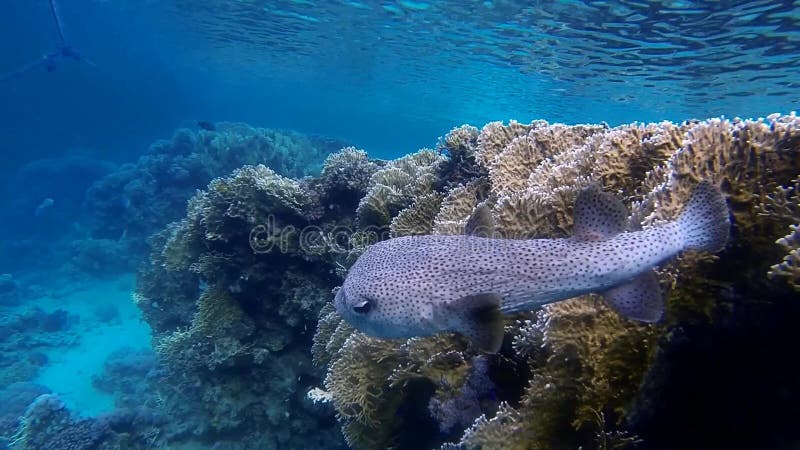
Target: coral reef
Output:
{"points": [[14, 399], [784, 203], [26, 336], [234, 290], [232, 293], [583, 373], [128, 375], [379, 396], [138, 199], [47, 424], [396, 186]]}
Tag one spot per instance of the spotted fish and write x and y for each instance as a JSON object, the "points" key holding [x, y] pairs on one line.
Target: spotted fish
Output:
{"points": [[422, 285]]}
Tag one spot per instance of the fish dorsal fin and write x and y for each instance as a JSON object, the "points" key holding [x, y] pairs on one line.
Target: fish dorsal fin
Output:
{"points": [[480, 223], [598, 215], [478, 317], [639, 299]]}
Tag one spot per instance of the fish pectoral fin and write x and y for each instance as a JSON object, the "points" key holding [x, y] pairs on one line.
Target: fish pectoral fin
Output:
{"points": [[639, 299], [598, 215], [481, 321], [481, 222]]}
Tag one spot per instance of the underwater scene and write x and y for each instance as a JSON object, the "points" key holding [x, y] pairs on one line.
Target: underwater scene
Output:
{"points": [[399, 224]]}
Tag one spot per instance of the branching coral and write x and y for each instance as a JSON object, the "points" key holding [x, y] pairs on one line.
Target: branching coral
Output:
{"points": [[586, 361], [784, 203], [456, 209], [495, 136], [47, 425], [244, 288], [460, 142], [418, 218], [537, 175], [511, 168], [369, 380], [345, 179], [608, 357], [396, 186], [138, 199], [460, 145], [230, 294]]}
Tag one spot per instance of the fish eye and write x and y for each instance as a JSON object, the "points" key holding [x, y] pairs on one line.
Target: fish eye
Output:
{"points": [[363, 307]]}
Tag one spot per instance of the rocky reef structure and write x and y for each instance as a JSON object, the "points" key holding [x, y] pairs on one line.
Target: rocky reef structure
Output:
{"points": [[47, 424], [232, 294], [235, 290], [138, 199]]}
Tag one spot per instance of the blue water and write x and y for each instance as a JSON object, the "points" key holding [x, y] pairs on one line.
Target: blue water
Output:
{"points": [[389, 77]]}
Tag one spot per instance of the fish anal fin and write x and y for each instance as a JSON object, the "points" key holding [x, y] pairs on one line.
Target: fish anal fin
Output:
{"points": [[478, 317], [481, 222], [639, 299], [598, 215]]}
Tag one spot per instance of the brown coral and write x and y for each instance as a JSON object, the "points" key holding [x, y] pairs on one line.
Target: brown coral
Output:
{"points": [[458, 206], [369, 379], [418, 218], [396, 186], [495, 136], [784, 203], [588, 362]]}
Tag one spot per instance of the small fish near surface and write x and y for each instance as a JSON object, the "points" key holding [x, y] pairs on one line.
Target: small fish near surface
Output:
{"points": [[423, 285]]}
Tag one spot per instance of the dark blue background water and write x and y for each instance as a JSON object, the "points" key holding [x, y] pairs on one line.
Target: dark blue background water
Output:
{"points": [[153, 77]]}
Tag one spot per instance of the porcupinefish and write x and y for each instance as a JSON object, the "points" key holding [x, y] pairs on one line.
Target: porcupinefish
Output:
{"points": [[422, 285]]}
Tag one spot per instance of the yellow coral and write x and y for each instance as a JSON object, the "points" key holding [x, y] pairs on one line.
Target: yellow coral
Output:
{"points": [[587, 361], [594, 361], [456, 208], [367, 378], [418, 218], [513, 165], [784, 204], [396, 186], [495, 136], [358, 382]]}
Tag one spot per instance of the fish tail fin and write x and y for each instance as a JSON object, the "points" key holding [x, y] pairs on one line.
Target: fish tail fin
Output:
{"points": [[705, 223]]}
